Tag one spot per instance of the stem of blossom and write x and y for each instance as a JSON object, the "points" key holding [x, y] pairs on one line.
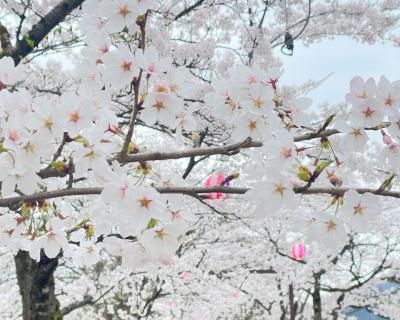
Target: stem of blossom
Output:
{"points": [[330, 132], [136, 91], [61, 147]]}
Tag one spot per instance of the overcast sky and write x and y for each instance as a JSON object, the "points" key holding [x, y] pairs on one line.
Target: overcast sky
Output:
{"points": [[345, 58]]}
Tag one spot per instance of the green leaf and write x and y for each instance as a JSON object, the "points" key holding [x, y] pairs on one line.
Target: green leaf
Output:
{"points": [[152, 223], [29, 42], [303, 174], [322, 166], [386, 184]]}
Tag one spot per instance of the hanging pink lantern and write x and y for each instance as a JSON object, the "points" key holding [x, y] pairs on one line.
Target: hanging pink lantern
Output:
{"points": [[215, 181], [298, 251]]}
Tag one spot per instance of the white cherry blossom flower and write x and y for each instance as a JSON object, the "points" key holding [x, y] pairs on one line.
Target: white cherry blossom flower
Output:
{"points": [[327, 230], [120, 67], [13, 176], [271, 195], [299, 111], [281, 150], [75, 114], [53, 241], [119, 14], [361, 90], [253, 126], [161, 108], [355, 137], [367, 113], [390, 155], [150, 62], [9, 74], [259, 99], [388, 95], [360, 210]]}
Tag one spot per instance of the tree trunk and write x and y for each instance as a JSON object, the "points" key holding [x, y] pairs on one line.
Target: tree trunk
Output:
{"points": [[36, 285], [317, 300]]}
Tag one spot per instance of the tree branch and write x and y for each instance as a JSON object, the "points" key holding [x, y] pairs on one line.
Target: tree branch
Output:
{"points": [[76, 305], [40, 30], [229, 150], [188, 9], [8, 202]]}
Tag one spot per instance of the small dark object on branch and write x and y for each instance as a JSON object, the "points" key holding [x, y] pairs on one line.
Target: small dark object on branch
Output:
{"points": [[288, 44]]}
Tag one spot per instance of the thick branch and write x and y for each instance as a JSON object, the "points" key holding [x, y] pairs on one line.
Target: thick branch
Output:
{"points": [[4, 38], [229, 150], [41, 29], [8, 202], [76, 305]]}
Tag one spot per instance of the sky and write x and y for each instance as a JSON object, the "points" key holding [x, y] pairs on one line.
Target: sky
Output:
{"points": [[344, 57]]}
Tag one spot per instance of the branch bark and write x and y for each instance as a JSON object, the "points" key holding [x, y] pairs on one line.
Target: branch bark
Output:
{"points": [[12, 201], [76, 305], [229, 149], [40, 30]]}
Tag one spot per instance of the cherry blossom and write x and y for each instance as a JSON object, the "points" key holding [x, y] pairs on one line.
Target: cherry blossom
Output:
{"points": [[109, 151], [120, 67], [161, 108], [119, 14], [9, 74], [272, 195], [361, 90], [360, 211]]}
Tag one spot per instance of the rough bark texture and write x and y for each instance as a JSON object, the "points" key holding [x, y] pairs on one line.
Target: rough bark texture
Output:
{"points": [[36, 283], [317, 298]]}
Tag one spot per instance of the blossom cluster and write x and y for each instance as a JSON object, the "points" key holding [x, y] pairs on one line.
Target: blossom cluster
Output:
{"points": [[78, 137]]}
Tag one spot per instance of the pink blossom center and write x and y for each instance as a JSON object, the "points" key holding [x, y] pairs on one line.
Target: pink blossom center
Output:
{"points": [[74, 117], [126, 66], [151, 67], [286, 153], [13, 135]]}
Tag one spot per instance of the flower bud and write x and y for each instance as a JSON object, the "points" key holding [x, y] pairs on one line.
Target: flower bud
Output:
{"points": [[215, 181], [304, 174], [298, 251], [387, 140]]}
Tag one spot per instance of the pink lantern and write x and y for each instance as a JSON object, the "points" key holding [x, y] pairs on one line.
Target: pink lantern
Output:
{"points": [[215, 181], [298, 251]]}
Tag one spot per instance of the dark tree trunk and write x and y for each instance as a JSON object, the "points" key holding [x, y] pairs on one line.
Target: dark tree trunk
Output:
{"points": [[36, 284], [317, 299]]}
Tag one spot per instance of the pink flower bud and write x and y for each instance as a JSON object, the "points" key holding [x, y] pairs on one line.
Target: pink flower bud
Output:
{"points": [[215, 181], [387, 140], [298, 251]]}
